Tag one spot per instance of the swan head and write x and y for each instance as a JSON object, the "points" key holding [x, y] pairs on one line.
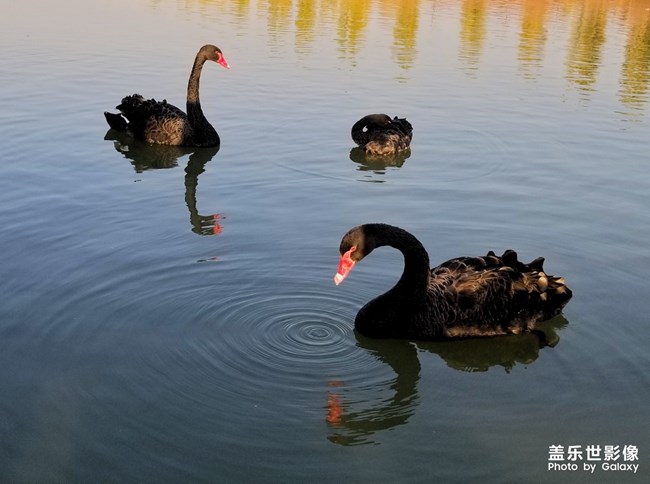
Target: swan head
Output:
{"points": [[213, 53], [356, 244]]}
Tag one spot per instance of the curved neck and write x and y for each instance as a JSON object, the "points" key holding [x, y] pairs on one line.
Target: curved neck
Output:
{"points": [[203, 130], [359, 136], [415, 278]]}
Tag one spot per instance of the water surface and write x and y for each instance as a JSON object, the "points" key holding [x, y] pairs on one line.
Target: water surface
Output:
{"points": [[169, 314]]}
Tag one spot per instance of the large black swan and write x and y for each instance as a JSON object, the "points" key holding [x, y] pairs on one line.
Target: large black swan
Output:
{"points": [[165, 124], [381, 135], [463, 297]]}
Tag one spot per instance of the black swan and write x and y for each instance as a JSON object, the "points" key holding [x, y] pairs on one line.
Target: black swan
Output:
{"points": [[463, 297], [379, 135], [165, 124]]}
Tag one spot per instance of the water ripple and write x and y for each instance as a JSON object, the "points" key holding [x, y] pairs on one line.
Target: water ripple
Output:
{"points": [[282, 340]]}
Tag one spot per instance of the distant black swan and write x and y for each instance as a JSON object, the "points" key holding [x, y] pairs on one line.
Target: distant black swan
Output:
{"points": [[165, 124], [463, 297], [379, 135]]}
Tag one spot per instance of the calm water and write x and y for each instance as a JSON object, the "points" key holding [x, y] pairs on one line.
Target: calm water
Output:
{"points": [[169, 315]]}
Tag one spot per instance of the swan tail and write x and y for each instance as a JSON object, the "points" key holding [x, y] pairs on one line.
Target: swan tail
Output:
{"points": [[133, 106], [546, 295], [116, 121], [402, 125]]}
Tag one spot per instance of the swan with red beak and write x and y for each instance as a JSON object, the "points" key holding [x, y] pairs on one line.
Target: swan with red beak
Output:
{"points": [[464, 297]]}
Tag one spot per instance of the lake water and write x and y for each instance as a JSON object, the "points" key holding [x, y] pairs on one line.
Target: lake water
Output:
{"points": [[170, 316]]}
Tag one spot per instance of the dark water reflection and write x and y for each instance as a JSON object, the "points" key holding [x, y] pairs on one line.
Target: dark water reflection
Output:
{"points": [[377, 165], [393, 405], [144, 156], [354, 418]]}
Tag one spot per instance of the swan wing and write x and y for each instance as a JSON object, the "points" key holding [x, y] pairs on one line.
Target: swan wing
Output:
{"points": [[496, 295], [155, 121]]}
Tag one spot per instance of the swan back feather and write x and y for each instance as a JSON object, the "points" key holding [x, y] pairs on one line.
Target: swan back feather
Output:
{"points": [[155, 121]]}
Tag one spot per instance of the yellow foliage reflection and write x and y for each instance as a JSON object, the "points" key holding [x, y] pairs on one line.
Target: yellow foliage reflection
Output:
{"points": [[278, 12], [532, 37], [305, 23], [581, 28], [635, 72], [352, 22], [406, 14], [587, 41], [472, 30]]}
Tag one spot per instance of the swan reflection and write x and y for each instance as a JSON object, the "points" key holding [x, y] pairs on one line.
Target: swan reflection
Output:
{"points": [[378, 165], [479, 355], [353, 418], [144, 156], [350, 425]]}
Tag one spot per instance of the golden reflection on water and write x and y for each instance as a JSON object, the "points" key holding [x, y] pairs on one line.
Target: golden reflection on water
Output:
{"points": [[406, 15], [586, 44], [635, 71], [352, 21], [532, 36], [473, 30], [279, 13], [588, 23], [305, 22]]}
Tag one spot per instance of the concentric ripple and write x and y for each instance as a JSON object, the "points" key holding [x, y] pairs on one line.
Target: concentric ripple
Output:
{"points": [[243, 358], [294, 340]]}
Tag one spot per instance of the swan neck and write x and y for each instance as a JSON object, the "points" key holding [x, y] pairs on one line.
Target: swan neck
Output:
{"points": [[359, 136], [204, 134], [415, 277], [193, 83]]}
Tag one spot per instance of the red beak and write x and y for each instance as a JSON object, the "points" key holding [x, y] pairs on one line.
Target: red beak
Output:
{"points": [[345, 266], [223, 62]]}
